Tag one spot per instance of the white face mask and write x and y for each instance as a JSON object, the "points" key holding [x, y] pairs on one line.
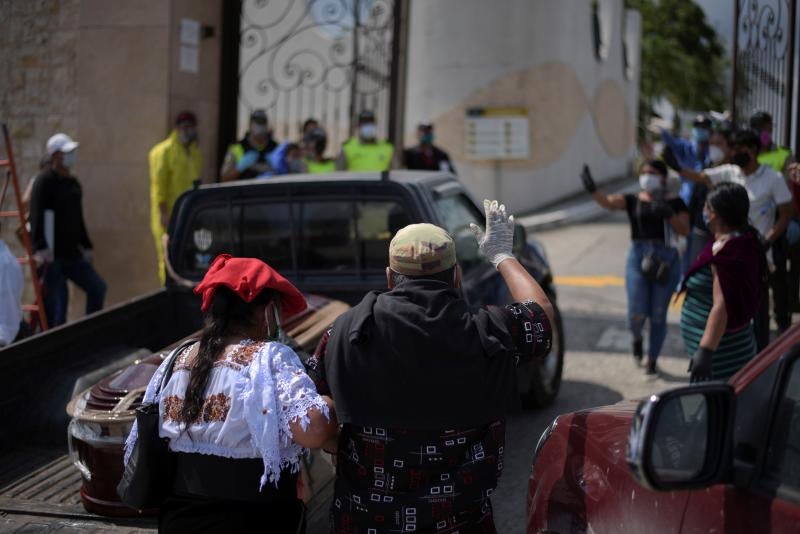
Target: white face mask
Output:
{"points": [[68, 160], [650, 182], [368, 131], [715, 154]]}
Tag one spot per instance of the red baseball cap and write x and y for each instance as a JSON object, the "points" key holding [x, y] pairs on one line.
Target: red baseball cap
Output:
{"points": [[247, 277]]}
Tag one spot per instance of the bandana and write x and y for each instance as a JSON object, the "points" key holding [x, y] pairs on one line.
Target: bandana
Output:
{"points": [[247, 277]]}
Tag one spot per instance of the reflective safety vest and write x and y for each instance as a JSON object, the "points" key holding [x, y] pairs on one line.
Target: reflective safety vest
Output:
{"points": [[775, 158], [315, 167], [375, 156]]}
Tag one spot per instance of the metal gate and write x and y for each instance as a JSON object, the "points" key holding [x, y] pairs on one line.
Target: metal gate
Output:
{"points": [[764, 57], [320, 59]]}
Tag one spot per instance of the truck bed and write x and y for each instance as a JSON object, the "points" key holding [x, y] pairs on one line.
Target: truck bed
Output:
{"points": [[39, 492]]}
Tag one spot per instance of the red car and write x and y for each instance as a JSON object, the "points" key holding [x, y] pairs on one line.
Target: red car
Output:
{"points": [[711, 457]]}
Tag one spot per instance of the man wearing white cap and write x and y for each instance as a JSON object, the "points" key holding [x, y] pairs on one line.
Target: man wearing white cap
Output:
{"points": [[62, 247]]}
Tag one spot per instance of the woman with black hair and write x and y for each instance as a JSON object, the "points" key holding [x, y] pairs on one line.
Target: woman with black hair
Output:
{"points": [[239, 410], [653, 270], [723, 288]]}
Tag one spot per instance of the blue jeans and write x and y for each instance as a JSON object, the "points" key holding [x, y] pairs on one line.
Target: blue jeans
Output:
{"points": [[649, 300], [56, 295]]}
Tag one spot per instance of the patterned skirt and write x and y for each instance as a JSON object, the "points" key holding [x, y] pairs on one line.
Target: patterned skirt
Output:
{"points": [[735, 348]]}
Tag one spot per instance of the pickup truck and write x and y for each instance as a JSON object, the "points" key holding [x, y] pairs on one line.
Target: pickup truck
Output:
{"points": [[708, 457], [328, 234]]}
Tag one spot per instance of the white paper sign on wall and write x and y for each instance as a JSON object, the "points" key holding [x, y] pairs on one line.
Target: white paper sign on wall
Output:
{"points": [[497, 133]]}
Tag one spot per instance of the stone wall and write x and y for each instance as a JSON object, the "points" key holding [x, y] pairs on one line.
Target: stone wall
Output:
{"points": [[38, 60]]}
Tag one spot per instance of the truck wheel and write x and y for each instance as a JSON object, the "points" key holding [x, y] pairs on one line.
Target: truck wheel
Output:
{"points": [[546, 375]]}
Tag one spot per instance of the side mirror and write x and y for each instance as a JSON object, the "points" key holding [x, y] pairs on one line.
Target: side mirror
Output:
{"points": [[466, 246], [682, 438]]}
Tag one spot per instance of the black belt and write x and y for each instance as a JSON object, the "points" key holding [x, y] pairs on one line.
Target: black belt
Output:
{"points": [[229, 479]]}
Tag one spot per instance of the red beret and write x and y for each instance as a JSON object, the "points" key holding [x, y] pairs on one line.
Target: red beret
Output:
{"points": [[247, 277]]}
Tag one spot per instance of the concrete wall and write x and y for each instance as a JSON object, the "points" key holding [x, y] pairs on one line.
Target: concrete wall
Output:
{"points": [[107, 73], [538, 55]]}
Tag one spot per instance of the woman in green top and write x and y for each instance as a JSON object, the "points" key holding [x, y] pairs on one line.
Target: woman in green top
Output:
{"points": [[723, 289]]}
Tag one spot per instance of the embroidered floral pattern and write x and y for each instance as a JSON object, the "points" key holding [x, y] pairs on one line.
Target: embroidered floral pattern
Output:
{"points": [[244, 353], [215, 408]]}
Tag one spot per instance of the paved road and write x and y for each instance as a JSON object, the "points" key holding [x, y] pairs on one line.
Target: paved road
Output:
{"points": [[588, 260]]}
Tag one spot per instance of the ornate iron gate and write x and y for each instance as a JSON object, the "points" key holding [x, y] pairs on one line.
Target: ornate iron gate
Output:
{"points": [[321, 59], [765, 47]]}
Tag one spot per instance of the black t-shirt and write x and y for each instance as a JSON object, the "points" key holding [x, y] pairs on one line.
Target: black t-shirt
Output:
{"points": [[63, 196], [644, 223]]}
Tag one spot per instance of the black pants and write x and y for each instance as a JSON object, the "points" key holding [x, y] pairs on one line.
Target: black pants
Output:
{"points": [[190, 514], [778, 281], [793, 278]]}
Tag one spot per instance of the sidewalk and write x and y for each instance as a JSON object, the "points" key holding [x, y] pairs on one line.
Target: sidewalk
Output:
{"points": [[576, 208]]}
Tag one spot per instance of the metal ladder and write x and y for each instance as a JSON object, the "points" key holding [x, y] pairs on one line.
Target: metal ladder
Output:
{"points": [[37, 310]]}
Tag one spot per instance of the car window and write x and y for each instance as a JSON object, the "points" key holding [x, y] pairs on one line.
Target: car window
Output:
{"points": [[457, 213], [377, 222], [783, 455], [265, 233], [326, 237], [209, 235]]}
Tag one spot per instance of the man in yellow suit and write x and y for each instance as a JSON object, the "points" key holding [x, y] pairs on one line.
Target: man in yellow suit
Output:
{"points": [[175, 164], [365, 152]]}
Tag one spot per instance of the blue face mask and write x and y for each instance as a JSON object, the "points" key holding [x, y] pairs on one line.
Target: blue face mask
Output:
{"points": [[426, 138], [699, 135], [706, 218]]}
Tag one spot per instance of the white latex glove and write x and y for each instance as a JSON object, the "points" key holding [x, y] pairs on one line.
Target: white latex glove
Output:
{"points": [[40, 257], [498, 242]]}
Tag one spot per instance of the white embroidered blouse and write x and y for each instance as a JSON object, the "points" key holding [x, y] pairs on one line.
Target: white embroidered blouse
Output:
{"points": [[254, 392]]}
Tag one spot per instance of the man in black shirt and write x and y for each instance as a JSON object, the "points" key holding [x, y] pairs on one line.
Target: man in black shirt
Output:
{"points": [[426, 156], [61, 243], [422, 385]]}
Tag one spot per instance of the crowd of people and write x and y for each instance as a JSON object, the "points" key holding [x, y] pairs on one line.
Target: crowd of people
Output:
{"points": [[725, 236], [63, 250]]}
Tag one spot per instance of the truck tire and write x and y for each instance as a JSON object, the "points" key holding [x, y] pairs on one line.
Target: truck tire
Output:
{"points": [[546, 375]]}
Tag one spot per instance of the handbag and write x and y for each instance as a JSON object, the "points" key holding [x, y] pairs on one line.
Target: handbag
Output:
{"points": [[148, 475], [652, 267]]}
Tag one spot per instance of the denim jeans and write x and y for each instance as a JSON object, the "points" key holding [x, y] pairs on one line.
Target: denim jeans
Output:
{"points": [[56, 296], [649, 300]]}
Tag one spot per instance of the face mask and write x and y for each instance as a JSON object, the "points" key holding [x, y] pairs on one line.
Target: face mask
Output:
{"points": [[742, 159], [766, 138], [716, 154], [187, 136], [706, 218], [426, 139], [368, 131], [259, 130], [68, 160], [296, 166], [650, 182], [699, 135]]}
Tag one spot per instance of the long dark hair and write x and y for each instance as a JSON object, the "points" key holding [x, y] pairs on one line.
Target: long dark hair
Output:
{"points": [[228, 312], [731, 203]]}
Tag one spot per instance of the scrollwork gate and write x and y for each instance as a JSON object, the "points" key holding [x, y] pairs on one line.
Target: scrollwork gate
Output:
{"points": [[321, 59], [765, 48]]}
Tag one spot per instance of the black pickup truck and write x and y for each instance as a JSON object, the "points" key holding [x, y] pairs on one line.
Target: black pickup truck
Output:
{"points": [[329, 234]]}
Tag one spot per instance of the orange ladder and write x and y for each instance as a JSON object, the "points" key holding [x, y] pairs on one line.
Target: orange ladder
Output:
{"points": [[19, 213]]}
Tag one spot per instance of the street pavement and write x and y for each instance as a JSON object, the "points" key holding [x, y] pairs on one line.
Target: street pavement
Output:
{"points": [[588, 260]]}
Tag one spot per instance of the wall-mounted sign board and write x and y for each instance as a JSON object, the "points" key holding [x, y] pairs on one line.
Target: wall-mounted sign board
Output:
{"points": [[497, 133]]}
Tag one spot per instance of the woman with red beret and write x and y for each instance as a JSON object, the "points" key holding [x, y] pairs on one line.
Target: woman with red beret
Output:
{"points": [[239, 410]]}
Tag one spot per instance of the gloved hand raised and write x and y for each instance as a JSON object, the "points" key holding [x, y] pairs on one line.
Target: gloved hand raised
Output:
{"points": [[247, 160], [588, 181], [497, 243], [700, 365]]}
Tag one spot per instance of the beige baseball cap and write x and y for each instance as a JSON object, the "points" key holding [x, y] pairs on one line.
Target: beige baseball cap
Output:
{"points": [[420, 249]]}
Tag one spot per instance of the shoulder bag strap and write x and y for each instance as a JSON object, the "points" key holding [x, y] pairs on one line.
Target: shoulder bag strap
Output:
{"points": [[177, 351]]}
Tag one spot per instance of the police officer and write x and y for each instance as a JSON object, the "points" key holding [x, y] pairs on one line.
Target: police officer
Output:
{"points": [[248, 158], [315, 142], [366, 152]]}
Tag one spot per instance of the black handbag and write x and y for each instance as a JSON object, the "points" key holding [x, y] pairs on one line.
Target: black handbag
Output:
{"points": [[149, 473]]}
